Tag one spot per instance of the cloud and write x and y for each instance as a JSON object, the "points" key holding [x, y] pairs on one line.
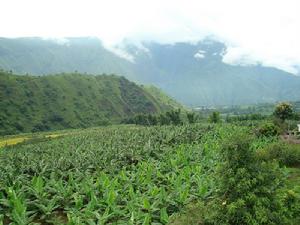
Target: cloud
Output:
{"points": [[59, 41], [200, 54], [121, 52], [255, 31]]}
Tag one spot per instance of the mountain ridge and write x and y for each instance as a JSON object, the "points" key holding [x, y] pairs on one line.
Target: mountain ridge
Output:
{"points": [[193, 74]]}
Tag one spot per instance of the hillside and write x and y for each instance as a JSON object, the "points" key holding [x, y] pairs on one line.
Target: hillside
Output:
{"points": [[38, 56], [160, 96], [37, 103], [194, 74]]}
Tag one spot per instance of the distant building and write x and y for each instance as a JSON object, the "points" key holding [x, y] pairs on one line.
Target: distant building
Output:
{"points": [[299, 127]]}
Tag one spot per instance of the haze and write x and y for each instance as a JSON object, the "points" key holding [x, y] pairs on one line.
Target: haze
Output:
{"points": [[255, 32]]}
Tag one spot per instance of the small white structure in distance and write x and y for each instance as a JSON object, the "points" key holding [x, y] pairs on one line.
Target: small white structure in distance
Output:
{"points": [[298, 127]]}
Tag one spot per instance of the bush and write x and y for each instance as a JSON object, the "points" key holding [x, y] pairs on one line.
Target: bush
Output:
{"points": [[285, 154], [214, 117], [191, 117], [174, 117], [170, 117], [40, 127], [164, 120], [268, 130], [247, 188]]}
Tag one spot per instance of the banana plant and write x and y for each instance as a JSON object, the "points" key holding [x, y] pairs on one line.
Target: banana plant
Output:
{"points": [[19, 213], [147, 219], [74, 220], [1, 219], [164, 217], [47, 206]]}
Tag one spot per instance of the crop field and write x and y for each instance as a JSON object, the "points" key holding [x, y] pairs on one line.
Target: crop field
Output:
{"points": [[12, 141], [113, 175]]}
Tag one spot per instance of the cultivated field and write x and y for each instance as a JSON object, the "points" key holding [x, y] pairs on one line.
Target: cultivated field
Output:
{"points": [[118, 174]]}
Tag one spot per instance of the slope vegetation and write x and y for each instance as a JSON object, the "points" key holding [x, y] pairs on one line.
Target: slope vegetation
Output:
{"points": [[38, 103]]}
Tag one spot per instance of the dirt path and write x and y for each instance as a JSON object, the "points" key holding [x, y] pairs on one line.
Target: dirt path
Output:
{"points": [[292, 139]]}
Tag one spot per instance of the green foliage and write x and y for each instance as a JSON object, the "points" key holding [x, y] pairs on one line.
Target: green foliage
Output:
{"points": [[246, 117], [143, 119], [191, 117], [215, 117], [144, 175], [248, 188], [283, 111], [160, 96], [31, 104], [117, 175], [292, 196], [167, 118], [268, 129], [296, 116], [286, 154], [174, 116]]}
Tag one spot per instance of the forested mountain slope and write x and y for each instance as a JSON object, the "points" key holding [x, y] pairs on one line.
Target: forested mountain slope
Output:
{"points": [[37, 103]]}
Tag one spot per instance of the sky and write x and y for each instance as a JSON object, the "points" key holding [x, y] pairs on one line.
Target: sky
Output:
{"points": [[263, 32]]}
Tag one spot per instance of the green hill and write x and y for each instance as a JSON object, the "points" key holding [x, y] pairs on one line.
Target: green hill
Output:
{"points": [[38, 103], [160, 96]]}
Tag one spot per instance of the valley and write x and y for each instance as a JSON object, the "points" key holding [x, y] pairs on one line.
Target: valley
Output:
{"points": [[149, 112]]}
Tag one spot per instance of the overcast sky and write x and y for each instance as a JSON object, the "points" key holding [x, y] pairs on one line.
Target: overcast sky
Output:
{"points": [[255, 31]]}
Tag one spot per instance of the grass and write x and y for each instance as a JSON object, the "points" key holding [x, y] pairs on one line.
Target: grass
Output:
{"points": [[53, 135], [12, 141], [191, 215]]}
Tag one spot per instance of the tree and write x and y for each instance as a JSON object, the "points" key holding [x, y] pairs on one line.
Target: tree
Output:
{"points": [[152, 119], [141, 119], [191, 117], [214, 117], [284, 111], [174, 116], [164, 120]]}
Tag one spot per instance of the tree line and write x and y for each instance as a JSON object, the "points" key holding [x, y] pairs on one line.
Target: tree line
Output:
{"points": [[282, 112]]}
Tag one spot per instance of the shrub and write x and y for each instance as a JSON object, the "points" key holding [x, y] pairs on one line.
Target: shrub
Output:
{"points": [[268, 130], [191, 117], [215, 117], [40, 127], [247, 188], [285, 154], [174, 116], [164, 120]]}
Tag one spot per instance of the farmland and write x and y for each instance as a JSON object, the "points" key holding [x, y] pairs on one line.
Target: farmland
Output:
{"points": [[122, 174]]}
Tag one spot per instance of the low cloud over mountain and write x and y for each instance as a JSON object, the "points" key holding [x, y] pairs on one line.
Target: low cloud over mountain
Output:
{"points": [[194, 73]]}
